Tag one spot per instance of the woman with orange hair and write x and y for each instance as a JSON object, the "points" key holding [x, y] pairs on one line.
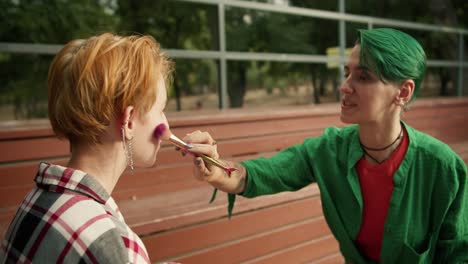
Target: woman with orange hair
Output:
{"points": [[106, 96]]}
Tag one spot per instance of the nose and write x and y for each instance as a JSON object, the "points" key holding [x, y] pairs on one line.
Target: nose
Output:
{"points": [[165, 120], [345, 88]]}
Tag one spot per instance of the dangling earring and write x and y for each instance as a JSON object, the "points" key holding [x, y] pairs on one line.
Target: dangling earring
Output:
{"points": [[127, 149]]}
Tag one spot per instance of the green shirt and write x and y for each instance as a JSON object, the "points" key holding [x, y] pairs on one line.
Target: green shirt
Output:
{"points": [[427, 219]]}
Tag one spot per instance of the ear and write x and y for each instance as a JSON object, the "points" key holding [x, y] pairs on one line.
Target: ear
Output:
{"points": [[405, 93], [127, 122]]}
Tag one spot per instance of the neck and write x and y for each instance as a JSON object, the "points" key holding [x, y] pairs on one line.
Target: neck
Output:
{"points": [[105, 162], [380, 140]]}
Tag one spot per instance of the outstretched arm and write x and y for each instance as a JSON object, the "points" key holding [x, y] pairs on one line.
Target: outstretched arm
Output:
{"points": [[203, 143]]}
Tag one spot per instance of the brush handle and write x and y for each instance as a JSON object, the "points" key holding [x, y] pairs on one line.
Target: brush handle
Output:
{"points": [[212, 161], [181, 144]]}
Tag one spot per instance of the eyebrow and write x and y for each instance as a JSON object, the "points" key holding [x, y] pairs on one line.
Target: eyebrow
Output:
{"points": [[364, 69]]}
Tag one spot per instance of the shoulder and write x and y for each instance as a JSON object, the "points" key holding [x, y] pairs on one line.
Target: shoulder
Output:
{"points": [[109, 247], [97, 230], [340, 131], [431, 148], [67, 226], [333, 136], [436, 155]]}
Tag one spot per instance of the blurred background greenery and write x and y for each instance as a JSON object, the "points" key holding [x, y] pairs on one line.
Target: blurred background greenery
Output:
{"points": [[181, 25]]}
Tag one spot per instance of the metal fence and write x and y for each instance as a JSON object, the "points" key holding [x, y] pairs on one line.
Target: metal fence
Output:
{"points": [[222, 55]]}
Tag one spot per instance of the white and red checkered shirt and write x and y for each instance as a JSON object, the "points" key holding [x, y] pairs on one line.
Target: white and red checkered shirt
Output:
{"points": [[69, 218]]}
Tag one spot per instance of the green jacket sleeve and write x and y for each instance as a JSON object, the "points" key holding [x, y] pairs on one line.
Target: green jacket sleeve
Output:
{"points": [[452, 245], [288, 170]]}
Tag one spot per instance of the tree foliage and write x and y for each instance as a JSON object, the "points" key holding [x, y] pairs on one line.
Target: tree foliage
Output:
{"points": [[192, 26], [52, 22]]}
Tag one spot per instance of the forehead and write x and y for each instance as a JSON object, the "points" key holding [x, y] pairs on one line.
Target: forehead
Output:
{"points": [[161, 92], [354, 58]]}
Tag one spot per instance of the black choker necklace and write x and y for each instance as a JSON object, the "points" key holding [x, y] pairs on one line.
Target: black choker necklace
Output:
{"points": [[379, 149], [386, 147]]}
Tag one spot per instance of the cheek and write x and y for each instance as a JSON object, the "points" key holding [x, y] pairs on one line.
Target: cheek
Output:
{"points": [[156, 134]]}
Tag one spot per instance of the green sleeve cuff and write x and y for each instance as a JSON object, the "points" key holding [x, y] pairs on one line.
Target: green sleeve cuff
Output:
{"points": [[250, 174]]}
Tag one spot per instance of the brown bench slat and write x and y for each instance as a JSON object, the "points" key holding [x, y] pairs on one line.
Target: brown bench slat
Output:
{"points": [[423, 112], [314, 251], [175, 173], [143, 183], [25, 129], [23, 173], [195, 119], [29, 149], [336, 258], [259, 128], [165, 245], [41, 127], [262, 243], [175, 210]]}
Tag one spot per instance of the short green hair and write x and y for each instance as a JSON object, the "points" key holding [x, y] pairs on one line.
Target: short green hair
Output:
{"points": [[393, 55]]}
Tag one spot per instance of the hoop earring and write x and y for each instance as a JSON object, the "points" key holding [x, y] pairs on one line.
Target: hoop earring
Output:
{"points": [[128, 150]]}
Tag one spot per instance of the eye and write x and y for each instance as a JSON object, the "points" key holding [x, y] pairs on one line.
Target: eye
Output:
{"points": [[363, 77]]}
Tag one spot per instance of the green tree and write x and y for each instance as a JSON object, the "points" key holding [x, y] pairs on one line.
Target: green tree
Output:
{"points": [[53, 21], [176, 25]]}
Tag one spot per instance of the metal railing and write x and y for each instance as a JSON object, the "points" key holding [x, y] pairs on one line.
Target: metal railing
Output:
{"points": [[222, 55]]}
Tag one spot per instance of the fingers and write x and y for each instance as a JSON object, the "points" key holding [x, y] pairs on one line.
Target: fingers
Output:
{"points": [[199, 137], [204, 171], [200, 171], [209, 150], [200, 143]]}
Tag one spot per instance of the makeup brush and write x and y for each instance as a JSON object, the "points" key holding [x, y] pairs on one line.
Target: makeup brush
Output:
{"points": [[162, 132]]}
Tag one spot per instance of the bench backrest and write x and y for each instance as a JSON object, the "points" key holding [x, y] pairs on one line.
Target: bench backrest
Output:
{"points": [[169, 209]]}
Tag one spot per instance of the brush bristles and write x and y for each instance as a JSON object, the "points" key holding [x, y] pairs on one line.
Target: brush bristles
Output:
{"points": [[162, 132]]}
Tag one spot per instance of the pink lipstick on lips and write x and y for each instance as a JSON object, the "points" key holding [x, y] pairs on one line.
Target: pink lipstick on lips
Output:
{"points": [[162, 132]]}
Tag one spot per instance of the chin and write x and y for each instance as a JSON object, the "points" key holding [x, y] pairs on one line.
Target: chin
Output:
{"points": [[152, 162], [346, 119], [148, 162]]}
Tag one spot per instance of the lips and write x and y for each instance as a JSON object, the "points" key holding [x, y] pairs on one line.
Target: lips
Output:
{"points": [[347, 104]]}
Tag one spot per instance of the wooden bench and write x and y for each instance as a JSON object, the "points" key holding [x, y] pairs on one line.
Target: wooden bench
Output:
{"points": [[169, 209]]}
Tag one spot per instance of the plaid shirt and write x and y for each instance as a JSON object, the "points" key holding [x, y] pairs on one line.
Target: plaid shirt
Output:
{"points": [[70, 218]]}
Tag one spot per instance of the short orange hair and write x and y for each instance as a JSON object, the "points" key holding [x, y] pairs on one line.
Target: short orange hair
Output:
{"points": [[92, 81]]}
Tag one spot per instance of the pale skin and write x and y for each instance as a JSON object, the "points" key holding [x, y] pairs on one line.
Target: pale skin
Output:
{"points": [[374, 105], [106, 162]]}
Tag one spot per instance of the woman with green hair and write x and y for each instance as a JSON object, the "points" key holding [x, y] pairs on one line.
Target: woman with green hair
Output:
{"points": [[390, 193]]}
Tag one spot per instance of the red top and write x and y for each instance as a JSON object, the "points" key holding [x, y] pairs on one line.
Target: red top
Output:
{"points": [[377, 186]]}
